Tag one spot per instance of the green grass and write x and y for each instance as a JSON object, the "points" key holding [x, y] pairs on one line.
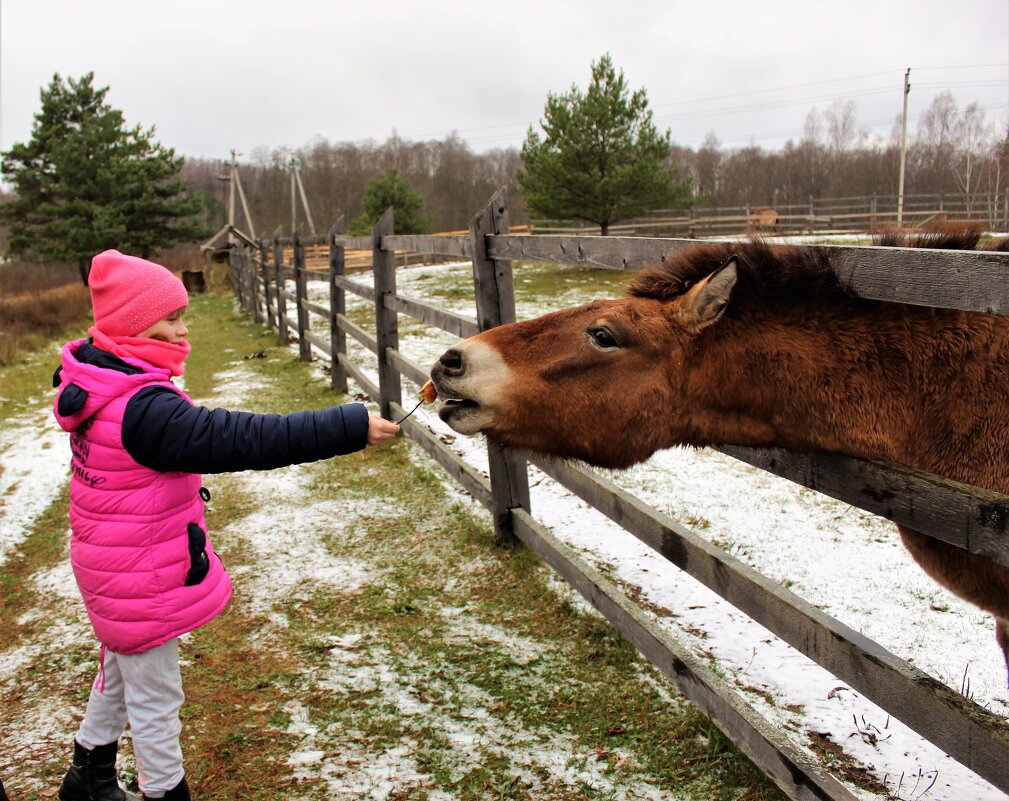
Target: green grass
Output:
{"points": [[456, 637]]}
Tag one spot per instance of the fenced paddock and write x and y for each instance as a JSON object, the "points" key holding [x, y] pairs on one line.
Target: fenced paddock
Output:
{"points": [[968, 517], [838, 215]]}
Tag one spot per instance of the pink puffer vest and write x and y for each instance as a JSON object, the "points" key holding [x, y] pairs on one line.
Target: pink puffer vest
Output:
{"points": [[143, 564]]}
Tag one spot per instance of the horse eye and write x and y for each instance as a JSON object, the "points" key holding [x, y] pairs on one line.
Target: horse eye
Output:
{"points": [[604, 337]]}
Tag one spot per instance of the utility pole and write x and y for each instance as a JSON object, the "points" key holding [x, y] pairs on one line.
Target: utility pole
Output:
{"points": [[231, 199], [294, 198], [903, 149], [236, 183], [298, 188]]}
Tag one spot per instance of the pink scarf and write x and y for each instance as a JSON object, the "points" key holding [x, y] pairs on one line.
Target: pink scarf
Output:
{"points": [[167, 355]]}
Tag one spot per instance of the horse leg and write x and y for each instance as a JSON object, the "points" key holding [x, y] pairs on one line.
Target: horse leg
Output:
{"points": [[975, 579], [1002, 635]]}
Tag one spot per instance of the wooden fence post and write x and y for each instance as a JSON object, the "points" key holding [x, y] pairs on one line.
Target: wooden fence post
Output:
{"points": [[250, 268], [243, 276], [236, 285], [301, 297], [278, 272], [264, 263], [337, 306], [390, 388], [495, 305]]}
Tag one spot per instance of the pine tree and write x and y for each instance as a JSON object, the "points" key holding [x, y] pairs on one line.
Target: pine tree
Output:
{"points": [[85, 182], [392, 190], [601, 159]]}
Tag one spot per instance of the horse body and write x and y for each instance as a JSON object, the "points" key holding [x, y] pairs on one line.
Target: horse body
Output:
{"points": [[763, 219], [760, 346]]}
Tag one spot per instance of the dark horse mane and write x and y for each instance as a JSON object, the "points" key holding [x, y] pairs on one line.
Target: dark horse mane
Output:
{"points": [[782, 275]]}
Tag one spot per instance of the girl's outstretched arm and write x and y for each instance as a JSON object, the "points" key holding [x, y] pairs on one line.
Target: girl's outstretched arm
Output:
{"points": [[165, 432]]}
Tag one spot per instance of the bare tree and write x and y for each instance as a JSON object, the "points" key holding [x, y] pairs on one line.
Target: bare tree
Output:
{"points": [[813, 128], [934, 142], [842, 125], [973, 138]]}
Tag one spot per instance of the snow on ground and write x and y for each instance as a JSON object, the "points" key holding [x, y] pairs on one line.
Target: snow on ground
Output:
{"points": [[472, 725], [30, 477], [290, 539], [845, 561]]}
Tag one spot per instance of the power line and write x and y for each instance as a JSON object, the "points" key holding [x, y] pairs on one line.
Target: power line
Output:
{"points": [[685, 115], [777, 89]]}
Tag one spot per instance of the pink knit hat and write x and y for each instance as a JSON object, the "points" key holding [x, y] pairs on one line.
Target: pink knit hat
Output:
{"points": [[129, 294]]}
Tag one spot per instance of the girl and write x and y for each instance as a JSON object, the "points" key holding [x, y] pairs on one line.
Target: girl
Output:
{"points": [[139, 549]]}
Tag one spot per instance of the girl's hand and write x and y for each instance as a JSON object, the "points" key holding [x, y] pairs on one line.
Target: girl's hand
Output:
{"points": [[380, 429]]}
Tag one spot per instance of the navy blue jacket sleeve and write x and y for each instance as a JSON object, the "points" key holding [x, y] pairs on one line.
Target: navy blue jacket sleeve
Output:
{"points": [[163, 431]]}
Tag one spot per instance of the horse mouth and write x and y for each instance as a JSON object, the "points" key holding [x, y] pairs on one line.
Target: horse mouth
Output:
{"points": [[455, 407], [452, 409]]}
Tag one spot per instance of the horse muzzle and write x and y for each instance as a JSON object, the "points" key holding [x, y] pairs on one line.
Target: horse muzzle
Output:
{"points": [[471, 379]]}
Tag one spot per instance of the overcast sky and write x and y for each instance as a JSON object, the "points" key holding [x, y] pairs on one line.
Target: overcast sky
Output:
{"points": [[212, 75]]}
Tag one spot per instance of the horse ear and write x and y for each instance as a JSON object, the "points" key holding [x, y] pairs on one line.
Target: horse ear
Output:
{"points": [[705, 303]]}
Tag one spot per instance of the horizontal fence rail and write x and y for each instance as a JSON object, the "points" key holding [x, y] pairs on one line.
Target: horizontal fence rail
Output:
{"points": [[970, 518], [838, 215], [952, 279]]}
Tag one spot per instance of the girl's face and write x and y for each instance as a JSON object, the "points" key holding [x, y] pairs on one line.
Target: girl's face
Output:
{"points": [[170, 329]]}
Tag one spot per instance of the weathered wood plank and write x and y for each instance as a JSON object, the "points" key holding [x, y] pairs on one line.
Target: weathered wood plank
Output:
{"points": [[285, 295], [972, 735], [282, 296], [611, 252], [386, 320], [301, 292], [462, 327], [971, 518], [358, 333], [370, 387], [357, 288], [337, 308], [440, 245], [314, 241], [951, 279], [319, 342], [495, 305], [253, 278], [355, 242], [467, 476], [798, 776], [264, 264], [315, 308], [407, 368]]}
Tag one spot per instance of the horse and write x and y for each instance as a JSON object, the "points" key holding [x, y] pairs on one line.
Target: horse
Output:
{"points": [[758, 345], [763, 219]]}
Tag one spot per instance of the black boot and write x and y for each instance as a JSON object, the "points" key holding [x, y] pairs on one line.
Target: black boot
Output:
{"points": [[92, 776], [179, 792]]}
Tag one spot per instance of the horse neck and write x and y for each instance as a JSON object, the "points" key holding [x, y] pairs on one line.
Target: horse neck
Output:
{"points": [[810, 386]]}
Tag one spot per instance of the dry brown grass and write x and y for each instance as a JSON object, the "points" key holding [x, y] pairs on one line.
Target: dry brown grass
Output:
{"points": [[38, 302], [19, 276], [30, 319]]}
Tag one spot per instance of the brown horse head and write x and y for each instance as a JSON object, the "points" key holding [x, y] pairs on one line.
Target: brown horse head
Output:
{"points": [[615, 380], [610, 382]]}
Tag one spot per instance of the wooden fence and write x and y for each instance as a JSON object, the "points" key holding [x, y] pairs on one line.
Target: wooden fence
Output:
{"points": [[970, 518], [835, 215]]}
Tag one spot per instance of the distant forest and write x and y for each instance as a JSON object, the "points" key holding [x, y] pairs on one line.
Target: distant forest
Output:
{"points": [[951, 151]]}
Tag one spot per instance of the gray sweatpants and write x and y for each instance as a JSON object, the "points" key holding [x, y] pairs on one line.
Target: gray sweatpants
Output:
{"points": [[146, 691]]}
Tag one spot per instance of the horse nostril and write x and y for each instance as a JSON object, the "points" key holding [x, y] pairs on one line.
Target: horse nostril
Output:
{"points": [[451, 361]]}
